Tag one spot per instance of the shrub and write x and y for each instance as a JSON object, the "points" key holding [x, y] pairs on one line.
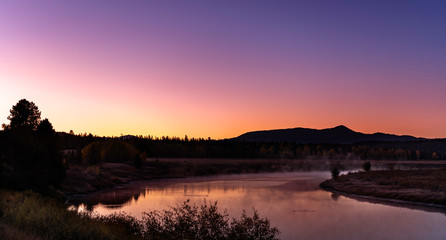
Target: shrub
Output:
{"points": [[334, 171], [188, 221], [366, 166], [252, 228], [127, 224], [49, 219]]}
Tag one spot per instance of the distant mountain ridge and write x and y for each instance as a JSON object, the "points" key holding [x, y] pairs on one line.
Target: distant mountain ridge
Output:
{"points": [[340, 134]]}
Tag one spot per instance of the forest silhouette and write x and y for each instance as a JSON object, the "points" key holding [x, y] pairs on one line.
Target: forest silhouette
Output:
{"points": [[30, 150], [35, 156]]}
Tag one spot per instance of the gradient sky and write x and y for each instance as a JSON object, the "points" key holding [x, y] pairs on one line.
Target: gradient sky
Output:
{"points": [[221, 68]]}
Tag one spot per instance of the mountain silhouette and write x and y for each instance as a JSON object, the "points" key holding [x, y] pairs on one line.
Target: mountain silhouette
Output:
{"points": [[340, 134]]}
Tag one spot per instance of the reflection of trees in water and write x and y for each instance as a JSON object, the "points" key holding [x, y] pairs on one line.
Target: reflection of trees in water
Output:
{"points": [[114, 199], [111, 200], [267, 188], [335, 196]]}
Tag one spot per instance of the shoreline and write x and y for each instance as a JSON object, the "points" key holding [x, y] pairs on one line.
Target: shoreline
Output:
{"points": [[415, 187], [88, 179], [429, 207]]}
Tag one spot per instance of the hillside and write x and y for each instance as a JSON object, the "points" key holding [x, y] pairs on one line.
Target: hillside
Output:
{"points": [[339, 135]]}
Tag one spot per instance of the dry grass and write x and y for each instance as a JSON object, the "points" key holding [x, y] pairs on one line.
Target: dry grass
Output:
{"points": [[28, 215], [48, 219], [427, 186], [12, 233]]}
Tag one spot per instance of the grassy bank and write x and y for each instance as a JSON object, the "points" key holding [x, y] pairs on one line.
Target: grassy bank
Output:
{"points": [[28, 215], [12, 233], [423, 186]]}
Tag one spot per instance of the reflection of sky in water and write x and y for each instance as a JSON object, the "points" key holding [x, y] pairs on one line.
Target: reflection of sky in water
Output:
{"points": [[294, 203]]}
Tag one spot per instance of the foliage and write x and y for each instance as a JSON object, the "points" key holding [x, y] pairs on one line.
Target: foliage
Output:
{"points": [[252, 228], [188, 221], [24, 114], [110, 151], [30, 151], [12, 233], [366, 166], [124, 223], [49, 219], [173, 147], [335, 169]]}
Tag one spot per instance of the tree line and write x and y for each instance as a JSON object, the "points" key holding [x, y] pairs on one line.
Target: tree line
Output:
{"points": [[174, 147], [33, 155]]}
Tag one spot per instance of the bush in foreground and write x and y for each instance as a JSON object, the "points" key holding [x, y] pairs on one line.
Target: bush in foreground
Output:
{"points": [[46, 218], [188, 221]]}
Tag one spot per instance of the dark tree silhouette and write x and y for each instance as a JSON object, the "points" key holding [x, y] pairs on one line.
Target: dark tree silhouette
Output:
{"points": [[23, 114], [30, 156], [45, 128], [47, 155], [366, 166]]}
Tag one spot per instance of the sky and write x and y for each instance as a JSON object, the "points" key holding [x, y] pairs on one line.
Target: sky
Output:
{"points": [[221, 68]]}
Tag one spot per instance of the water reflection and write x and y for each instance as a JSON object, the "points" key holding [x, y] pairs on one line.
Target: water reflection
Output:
{"points": [[293, 202], [335, 196]]}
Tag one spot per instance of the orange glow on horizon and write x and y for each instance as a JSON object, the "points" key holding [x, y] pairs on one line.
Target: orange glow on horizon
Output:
{"points": [[155, 69]]}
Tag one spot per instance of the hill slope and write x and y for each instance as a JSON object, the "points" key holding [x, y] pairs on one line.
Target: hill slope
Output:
{"points": [[339, 134]]}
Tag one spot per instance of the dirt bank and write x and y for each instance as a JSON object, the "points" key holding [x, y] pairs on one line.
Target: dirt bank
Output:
{"points": [[88, 179], [94, 178]]}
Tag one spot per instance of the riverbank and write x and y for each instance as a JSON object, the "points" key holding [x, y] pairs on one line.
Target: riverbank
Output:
{"points": [[421, 186], [94, 178], [31, 216], [10, 232], [89, 179]]}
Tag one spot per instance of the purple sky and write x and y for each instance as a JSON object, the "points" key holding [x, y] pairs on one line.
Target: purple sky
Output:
{"points": [[221, 68]]}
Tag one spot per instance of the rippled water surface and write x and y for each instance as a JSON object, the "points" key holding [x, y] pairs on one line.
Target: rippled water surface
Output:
{"points": [[292, 201]]}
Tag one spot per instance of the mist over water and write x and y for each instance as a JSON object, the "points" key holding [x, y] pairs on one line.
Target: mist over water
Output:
{"points": [[292, 201]]}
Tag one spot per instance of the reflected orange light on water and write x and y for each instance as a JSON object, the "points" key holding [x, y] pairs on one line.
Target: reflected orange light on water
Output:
{"points": [[292, 201]]}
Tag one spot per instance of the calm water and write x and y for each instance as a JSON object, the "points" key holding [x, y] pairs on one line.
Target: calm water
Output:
{"points": [[292, 201]]}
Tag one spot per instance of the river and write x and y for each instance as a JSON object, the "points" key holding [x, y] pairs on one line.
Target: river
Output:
{"points": [[292, 201]]}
